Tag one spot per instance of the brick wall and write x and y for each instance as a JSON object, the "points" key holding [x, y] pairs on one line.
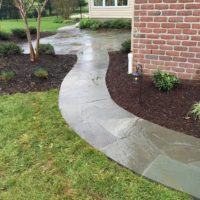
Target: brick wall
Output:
{"points": [[167, 36]]}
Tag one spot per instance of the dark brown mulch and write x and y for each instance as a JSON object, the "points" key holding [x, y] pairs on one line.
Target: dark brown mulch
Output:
{"points": [[168, 109], [20, 40], [57, 66]]}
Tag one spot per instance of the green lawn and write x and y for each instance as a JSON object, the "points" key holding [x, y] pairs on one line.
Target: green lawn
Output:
{"points": [[41, 158], [47, 24]]}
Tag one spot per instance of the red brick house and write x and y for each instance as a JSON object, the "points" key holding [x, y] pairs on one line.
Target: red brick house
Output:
{"points": [[167, 36]]}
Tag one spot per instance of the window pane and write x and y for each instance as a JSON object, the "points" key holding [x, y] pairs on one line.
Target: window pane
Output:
{"points": [[122, 3], [98, 2], [110, 2]]}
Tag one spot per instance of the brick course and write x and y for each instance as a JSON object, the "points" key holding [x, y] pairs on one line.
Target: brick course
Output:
{"points": [[167, 36]]}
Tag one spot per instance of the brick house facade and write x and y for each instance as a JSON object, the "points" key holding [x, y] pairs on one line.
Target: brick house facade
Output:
{"points": [[167, 36]]}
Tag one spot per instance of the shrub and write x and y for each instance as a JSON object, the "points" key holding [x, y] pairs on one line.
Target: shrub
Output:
{"points": [[41, 73], [10, 48], [107, 24], [7, 76], [96, 25], [127, 24], [86, 23], [164, 81], [126, 46], [19, 32], [195, 110], [47, 49], [58, 21], [33, 30], [111, 24], [4, 35], [117, 24]]}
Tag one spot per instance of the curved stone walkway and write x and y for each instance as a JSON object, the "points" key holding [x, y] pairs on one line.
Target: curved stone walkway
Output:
{"points": [[155, 152]]}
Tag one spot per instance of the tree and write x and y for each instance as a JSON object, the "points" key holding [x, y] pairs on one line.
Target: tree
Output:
{"points": [[65, 7], [8, 10], [1, 2], [82, 3], [39, 6], [24, 6]]}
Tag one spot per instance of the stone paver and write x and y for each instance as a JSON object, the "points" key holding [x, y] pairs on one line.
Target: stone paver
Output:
{"points": [[160, 154]]}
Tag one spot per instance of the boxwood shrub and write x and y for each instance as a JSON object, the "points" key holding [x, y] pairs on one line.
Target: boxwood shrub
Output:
{"points": [[164, 81], [9, 48], [86, 23], [33, 30], [109, 24], [47, 49], [4, 35], [19, 33], [126, 46]]}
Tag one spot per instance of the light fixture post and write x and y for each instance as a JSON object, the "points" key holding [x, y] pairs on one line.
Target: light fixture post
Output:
{"points": [[138, 78]]}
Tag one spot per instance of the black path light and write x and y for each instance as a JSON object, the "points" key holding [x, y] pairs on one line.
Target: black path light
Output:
{"points": [[138, 77]]}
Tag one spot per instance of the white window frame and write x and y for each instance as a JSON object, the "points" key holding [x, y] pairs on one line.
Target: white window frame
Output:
{"points": [[115, 6], [98, 6]]}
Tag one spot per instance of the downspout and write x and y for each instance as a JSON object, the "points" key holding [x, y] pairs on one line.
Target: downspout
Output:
{"points": [[130, 55], [89, 5]]}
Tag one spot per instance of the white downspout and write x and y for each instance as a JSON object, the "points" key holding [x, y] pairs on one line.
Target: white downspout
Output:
{"points": [[89, 5], [130, 55]]}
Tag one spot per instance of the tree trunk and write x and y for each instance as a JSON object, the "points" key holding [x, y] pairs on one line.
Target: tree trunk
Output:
{"points": [[32, 52], [38, 35]]}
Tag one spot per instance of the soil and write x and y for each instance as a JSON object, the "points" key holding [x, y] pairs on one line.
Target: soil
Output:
{"points": [[168, 109], [22, 40], [57, 66]]}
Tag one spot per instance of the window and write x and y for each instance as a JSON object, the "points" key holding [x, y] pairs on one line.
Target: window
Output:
{"points": [[98, 2], [122, 3], [110, 3], [102, 3]]}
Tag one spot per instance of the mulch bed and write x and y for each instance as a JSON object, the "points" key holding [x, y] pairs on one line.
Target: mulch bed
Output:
{"points": [[20, 40], [57, 66], [168, 109]]}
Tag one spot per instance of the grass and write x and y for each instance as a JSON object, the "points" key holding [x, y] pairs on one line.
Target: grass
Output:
{"points": [[47, 24], [42, 158]]}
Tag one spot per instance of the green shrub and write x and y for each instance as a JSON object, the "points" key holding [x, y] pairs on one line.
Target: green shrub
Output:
{"points": [[7, 76], [19, 32], [164, 81], [86, 23], [58, 21], [41, 73], [9, 48], [96, 25], [109, 24], [126, 46], [47, 49], [4, 35], [127, 24], [117, 24], [33, 30], [112, 24], [195, 110]]}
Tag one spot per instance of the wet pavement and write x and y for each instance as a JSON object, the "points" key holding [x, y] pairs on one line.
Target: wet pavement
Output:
{"points": [[72, 40], [163, 155]]}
